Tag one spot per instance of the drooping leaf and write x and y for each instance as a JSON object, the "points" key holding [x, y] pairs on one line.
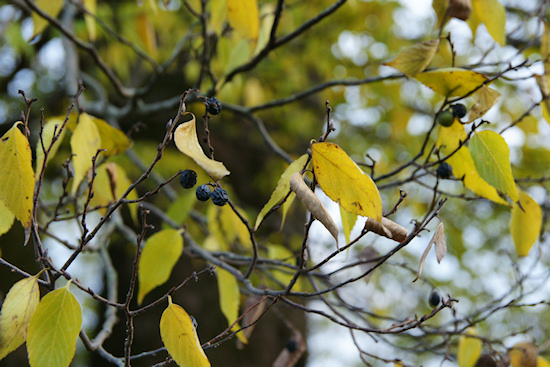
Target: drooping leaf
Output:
{"points": [[187, 142], [526, 223], [91, 7], [85, 142], [485, 99], [469, 349], [344, 182], [441, 8], [416, 58], [51, 7], [348, 221], [440, 248], [113, 140], [452, 82], [6, 218], [524, 354], [160, 253], [16, 175], [243, 17], [493, 15], [491, 158], [53, 329], [230, 298], [282, 189], [180, 337], [52, 125], [18, 307]]}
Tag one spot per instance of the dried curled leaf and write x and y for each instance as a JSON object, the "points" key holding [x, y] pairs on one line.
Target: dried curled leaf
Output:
{"points": [[387, 228], [440, 248]]}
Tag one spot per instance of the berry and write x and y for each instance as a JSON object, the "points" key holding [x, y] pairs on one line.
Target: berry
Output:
{"points": [[203, 192], [291, 345], [446, 118], [459, 110], [188, 179], [444, 170], [434, 299], [213, 106], [220, 197]]}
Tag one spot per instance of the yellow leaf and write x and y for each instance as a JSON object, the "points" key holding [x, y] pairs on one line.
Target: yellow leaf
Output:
{"points": [[286, 206], [53, 329], [526, 223], [244, 18], [452, 82], [17, 310], [491, 158], [227, 228], [91, 7], [113, 140], [469, 349], [524, 355], [348, 222], [282, 189], [542, 81], [542, 362], [416, 58], [180, 337], [218, 15], [344, 182], [51, 126], [85, 142], [230, 298], [160, 253], [485, 99], [493, 15], [267, 16], [146, 33], [6, 218], [281, 253], [52, 7], [441, 7], [187, 142], [16, 175]]}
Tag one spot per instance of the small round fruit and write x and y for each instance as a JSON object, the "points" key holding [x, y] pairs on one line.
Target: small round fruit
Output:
{"points": [[459, 110], [434, 299], [220, 197], [291, 345], [203, 192], [213, 106], [444, 170], [188, 179], [446, 118]]}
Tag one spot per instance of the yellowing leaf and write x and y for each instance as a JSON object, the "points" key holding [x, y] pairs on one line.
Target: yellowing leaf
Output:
{"points": [[230, 298], [416, 58], [146, 33], [228, 228], [282, 189], [281, 253], [542, 362], [160, 253], [469, 349], [348, 221], [51, 126], [52, 7], [187, 142], [485, 99], [91, 7], [17, 310], [6, 219], [440, 7], [180, 337], [526, 223], [452, 82], [493, 15], [113, 140], [243, 17], [85, 142], [53, 329], [344, 182], [524, 355], [491, 158], [16, 175]]}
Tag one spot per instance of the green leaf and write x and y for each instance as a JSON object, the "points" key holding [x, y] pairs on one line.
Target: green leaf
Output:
{"points": [[451, 82], [493, 15], [85, 142], [179, 210], [16, 175], [51, 126], [6, 218], [17, 310], [51, 7], [230, 298], [53, 329], [160, 253], [243, 17], [416, 58], [492, 160], [180, 337], [469, 349], [526, 223], [282, 189]]}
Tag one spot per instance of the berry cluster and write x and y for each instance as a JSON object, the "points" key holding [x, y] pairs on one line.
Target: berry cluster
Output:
{"points": [[188, 179], [447, 117], [213, 106]]}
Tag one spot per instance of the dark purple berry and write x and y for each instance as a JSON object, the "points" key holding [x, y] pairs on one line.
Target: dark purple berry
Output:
{"points": [[213, 106], [434, 299], [220, 197], [291, 345], [459, 110], [188, 179], [203, 192], [444, 170]]}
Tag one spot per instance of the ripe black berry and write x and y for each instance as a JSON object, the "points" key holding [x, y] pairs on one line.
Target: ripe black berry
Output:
{"points": [[220, 197], [188, 178], [459, 110], [203, 192], [291, 345], [434, 299], [444, 170], [446, 118], [213, 106]]}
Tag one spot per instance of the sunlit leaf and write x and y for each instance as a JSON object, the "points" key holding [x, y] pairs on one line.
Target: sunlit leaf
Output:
{"points": [[416, 58], [491, 157], [493, 15], [348, 221], [160, 253], [524, 355], [53, 329], [451, 82], [243, 17], [187, 142], [542, 362], [469, 349], [526, 223], [344, 182], [52, 125], [282, 189], [485, 99], [85, 142], [18, 307], [6, 218], [230, 298], [51, 7], [16, 175], [91, 7], [180, 337], [113, 140]]}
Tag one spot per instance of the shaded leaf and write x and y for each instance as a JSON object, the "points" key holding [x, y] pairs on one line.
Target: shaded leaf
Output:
{"points": [[441, 8], [228, 228], [51, 7], [469, 349], [524, 355], [493, 15], [526, 223], [146, 33], [180, 337], [51, 126], [243, 17], [91, 7], [348, 222], [542, 81], [230, 299], [113, 140], [415, 58], [179, 209], [187, 142], [160, 253], [85, 142], [6, 218], [18, 307], [452, 82], [255, 305], [440, 248], [344, 182], [485, 99], [53, 329], [16, 175], [281, 253]]}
